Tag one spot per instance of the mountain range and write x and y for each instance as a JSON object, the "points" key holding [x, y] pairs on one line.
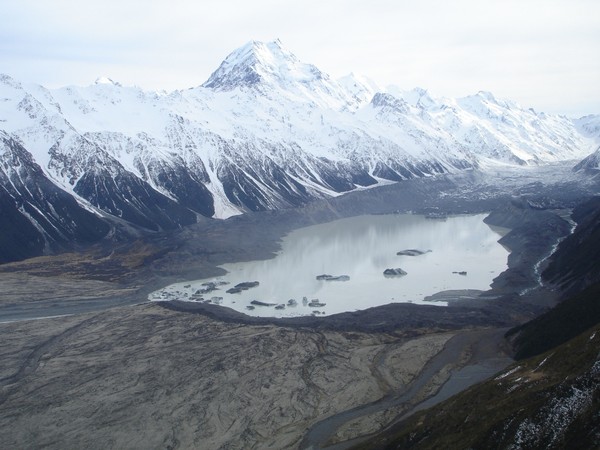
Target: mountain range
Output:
{"points": [[265, 131]]}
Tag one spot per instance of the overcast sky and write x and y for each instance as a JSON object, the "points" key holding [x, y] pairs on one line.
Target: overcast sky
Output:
{"points": [[542, 53]]}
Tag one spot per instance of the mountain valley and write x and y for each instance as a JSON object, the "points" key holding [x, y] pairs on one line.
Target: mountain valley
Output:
{"points": [[264, 132], [108, 193]]}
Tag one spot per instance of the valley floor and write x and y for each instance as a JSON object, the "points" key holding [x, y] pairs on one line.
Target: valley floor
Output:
{"points": [[148, 377]]}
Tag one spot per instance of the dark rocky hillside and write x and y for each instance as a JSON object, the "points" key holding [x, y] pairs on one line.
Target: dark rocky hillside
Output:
{"points": [[575, 268], [547, 402], [35, 215], [576, 263], [567, 320]]}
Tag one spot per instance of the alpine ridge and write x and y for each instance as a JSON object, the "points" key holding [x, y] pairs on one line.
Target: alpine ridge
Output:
{"points": [[265, 131]]}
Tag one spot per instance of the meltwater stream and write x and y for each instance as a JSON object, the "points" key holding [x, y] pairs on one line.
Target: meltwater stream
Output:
{"points": [[459, 252]]}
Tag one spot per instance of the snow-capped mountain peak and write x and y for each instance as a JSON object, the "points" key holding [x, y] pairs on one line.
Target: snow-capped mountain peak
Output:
{"points": [[259, 62], [269, 70], [9, 81], [417, 97], [390, 103], [485, 103], [359, 86], [590, 126], [107, 81]]}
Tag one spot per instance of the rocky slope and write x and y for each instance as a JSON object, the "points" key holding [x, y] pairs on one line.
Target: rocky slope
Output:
{"points": [[576, 263], [150, 377], [591, 163], [36, 215], [549, 401]]}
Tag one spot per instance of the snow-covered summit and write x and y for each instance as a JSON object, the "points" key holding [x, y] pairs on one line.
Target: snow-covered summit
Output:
{"points": [[106, 80], [260, 62], [590, 126], [389, 103], [417, 97], [360, 87], [486, 104], [270, 70]]}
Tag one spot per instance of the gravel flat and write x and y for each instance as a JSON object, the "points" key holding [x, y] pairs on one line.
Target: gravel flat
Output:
{"points": [[148, 377]]}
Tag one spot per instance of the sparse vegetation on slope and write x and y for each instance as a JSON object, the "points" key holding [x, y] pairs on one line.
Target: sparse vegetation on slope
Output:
{"points": [[549, 401], [567, 320]]}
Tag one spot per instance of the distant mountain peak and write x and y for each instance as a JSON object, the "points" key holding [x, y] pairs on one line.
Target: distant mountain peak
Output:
{"points": [[359, 86], [487, 95], [484, 101], [417, 97], [106, 81], [9, 81], [267, 131], [259, 62], [389, 102]]}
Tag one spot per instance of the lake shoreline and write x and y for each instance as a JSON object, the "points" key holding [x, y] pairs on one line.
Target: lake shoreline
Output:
{"points": [[532, 232], [196, 252], [361, 249]]}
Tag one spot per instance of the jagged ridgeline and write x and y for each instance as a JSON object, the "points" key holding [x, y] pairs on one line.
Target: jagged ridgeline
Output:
{"points": [[265, 131]]}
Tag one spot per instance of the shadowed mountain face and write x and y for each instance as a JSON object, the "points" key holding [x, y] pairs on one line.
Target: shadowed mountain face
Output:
{"points": [[35, 215], [576, 263], [129, 198], [575, 268], [39, 217]]}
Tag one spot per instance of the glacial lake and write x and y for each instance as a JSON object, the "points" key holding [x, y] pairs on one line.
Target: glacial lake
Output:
{"points": [[460, 252]]}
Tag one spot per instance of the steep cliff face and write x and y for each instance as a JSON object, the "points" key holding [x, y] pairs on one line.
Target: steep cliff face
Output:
{"points": [[36, 215]]}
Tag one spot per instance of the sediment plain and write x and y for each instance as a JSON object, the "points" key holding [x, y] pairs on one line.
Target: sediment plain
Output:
{"points": [[149, 377]]}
